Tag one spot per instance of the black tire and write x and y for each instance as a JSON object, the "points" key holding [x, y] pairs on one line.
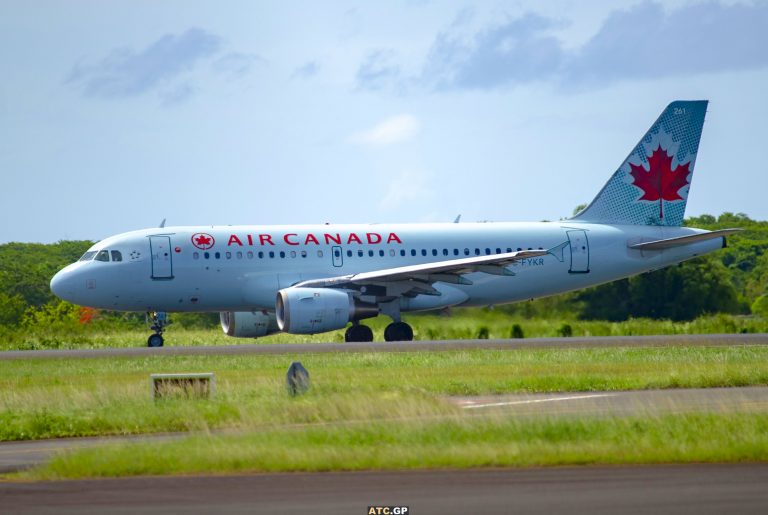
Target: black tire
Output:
{"points": [[358, 333], [398, 332], [155, 340]]}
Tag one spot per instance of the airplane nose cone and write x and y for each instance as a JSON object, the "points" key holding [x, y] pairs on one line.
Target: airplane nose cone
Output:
{"points": [[61, 285]]}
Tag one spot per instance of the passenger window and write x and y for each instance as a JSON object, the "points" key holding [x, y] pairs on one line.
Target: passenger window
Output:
{"points": [[319, 253], [413, 252], [293, 253], [445, 252], [392, 252], [349, 253], [282, 254], [487, 251], [303, 253], [103, 255], [466, 252], [370, 253], [261, 255], [477, 252], [519, 249], [250, 254], [509, 250], [239, 255], [434, 252], [402, 252], [195, 255], [381, 253], [498, 250], [217, 255], [229, 255], [360, 253], [455, 252], [271, 254], [423, 252], [207, 255]]}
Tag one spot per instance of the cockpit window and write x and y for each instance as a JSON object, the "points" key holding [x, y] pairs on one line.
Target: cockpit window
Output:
{"points": [[103, 255], [88, 255], [116, 255]]}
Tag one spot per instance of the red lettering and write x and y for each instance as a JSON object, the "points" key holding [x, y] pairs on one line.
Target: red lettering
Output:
{"points": [[393, 237], [329, 238], [353, 237], [250, 240], [289, 242], [373, 238], [234, 239], [265, 238], [311, 238]]}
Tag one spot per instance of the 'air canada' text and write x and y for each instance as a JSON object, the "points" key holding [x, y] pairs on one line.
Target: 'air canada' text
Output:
{"points": [[369, 238]]}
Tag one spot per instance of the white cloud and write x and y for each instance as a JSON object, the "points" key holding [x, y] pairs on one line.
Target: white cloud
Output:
{"points": [[395, 129]]}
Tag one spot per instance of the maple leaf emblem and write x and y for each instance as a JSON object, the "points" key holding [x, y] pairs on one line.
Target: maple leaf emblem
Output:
{"points": [[202, 241], [660, 182]]}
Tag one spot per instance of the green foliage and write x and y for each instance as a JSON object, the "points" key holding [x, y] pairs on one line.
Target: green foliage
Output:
{"points": [[12, 308], [517, 331], [760, 306]]}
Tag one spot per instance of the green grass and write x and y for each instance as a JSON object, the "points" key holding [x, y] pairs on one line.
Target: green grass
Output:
{"points": [[63, 397], [474, 442], [463, 324]]}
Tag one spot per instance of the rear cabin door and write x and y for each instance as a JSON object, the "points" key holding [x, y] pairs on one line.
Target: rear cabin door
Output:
{"points": [[579, 251], [337, 256], [162, 258]]}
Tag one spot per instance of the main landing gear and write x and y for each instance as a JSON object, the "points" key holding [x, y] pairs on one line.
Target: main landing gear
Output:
{"points": [[358, 333], [395, 332], [398, 332], [158, 321]]}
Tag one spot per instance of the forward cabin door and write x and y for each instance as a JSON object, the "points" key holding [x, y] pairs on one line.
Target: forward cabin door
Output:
{"points": [[579, 251], [162, 259]]}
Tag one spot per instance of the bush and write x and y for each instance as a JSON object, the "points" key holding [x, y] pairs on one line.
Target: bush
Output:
{"points": [[517, 331], [483, 333], [565, 331]]}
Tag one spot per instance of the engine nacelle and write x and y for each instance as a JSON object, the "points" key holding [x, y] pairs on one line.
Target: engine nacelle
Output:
{"points": [[248, 324], [317, 310]]}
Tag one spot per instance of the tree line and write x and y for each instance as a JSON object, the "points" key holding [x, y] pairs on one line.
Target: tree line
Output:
{"points": [[732, 280]]}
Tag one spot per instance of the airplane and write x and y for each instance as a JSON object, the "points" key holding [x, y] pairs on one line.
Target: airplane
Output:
{"points": [[308, 279]]}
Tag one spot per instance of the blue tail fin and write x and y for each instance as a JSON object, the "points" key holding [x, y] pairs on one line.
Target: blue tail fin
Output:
{"points": [[651, 185]]}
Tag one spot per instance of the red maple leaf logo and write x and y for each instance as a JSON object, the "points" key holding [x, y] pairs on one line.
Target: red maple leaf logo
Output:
{"points": [[202, 241], [660, 182]]}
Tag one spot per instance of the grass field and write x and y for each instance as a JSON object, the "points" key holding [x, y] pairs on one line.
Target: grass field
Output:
{"points": [[464, 323], [377, 410], [479, 442], [55, 398]]}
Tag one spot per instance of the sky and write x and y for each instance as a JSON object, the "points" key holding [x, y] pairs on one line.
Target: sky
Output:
{"points": [[117, 115]]}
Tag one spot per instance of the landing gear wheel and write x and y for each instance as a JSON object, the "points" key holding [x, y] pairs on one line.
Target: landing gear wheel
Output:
{"points": [[358, 333], [155, 340], [398, 332]]}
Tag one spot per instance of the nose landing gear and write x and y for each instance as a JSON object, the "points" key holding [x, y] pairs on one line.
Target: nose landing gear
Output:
{"points": [[157, 320]]}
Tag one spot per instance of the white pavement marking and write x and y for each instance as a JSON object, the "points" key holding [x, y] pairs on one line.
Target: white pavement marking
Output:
{"points": [[534, 401]]}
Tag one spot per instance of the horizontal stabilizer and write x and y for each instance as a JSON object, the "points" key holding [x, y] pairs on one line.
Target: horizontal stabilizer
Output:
{"points": [[682, 240]]}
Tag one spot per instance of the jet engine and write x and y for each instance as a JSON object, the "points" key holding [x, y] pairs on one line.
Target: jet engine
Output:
{"points": [[248, 324], [316, 310]]}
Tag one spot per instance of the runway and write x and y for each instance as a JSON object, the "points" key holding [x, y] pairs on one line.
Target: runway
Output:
{"points": [[705, 340], [680, 489]]}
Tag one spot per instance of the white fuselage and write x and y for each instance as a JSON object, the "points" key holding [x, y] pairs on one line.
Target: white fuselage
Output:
{"points": [[241, 268]]}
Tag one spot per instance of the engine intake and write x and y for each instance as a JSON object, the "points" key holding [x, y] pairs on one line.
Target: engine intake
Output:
{"points": [[316, 310], [248, 324]]}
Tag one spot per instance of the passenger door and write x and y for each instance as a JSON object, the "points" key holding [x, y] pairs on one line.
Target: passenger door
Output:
{"points": [[162, 258]]}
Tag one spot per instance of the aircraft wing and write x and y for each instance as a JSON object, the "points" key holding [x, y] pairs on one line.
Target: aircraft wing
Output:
{"points": [[421, 276]]}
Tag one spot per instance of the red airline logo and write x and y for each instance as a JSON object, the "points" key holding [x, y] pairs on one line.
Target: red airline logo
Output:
{"points": [[203, 241]]}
